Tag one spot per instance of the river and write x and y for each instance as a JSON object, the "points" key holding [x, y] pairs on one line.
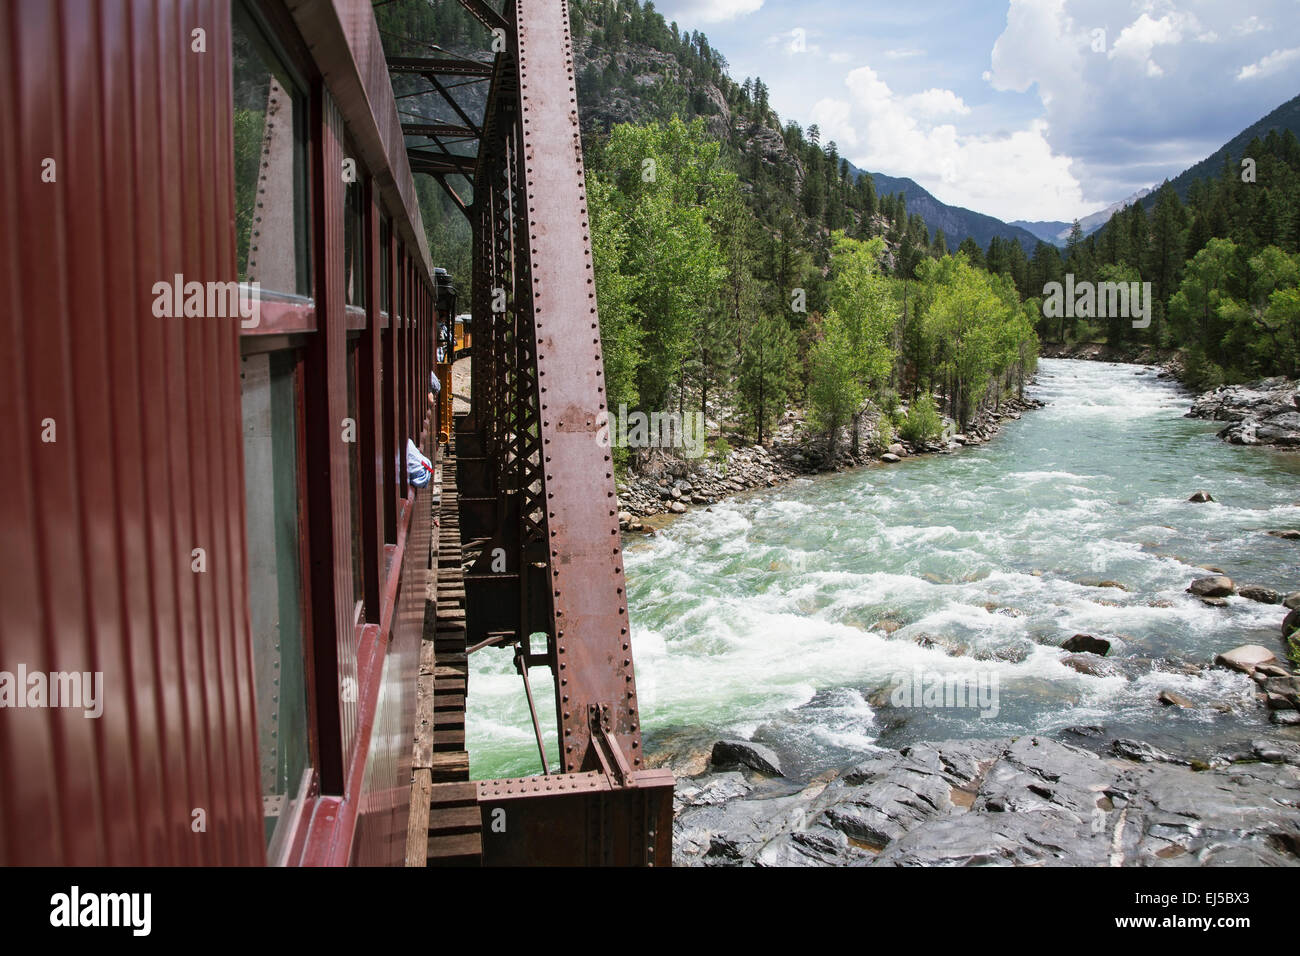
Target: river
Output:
{"points": [[767, 615]]}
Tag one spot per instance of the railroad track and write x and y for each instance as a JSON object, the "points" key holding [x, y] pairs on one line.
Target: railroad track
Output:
{"points": [[445, 825]]}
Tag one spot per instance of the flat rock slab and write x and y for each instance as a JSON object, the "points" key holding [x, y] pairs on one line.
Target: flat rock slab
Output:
{"points": [[1030, 800], [1245, 658]]}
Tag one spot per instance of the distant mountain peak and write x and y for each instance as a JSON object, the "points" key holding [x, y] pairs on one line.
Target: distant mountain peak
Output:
{"points": [[956, 222]]}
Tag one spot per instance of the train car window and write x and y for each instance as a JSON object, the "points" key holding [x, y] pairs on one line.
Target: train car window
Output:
{"points": [[385, 283], [354, 240], [354, 476], [271, 208], [271, 489]]}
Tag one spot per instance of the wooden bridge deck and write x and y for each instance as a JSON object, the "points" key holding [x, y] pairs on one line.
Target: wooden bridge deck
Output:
{"points": [[445, 827]]}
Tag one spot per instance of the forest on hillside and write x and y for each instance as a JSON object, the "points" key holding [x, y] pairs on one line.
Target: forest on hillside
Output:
{"points": [[753, 269], [1224, 268]]}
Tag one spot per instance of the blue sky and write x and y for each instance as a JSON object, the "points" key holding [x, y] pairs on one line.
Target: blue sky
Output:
{"points": [[1028, 109]]}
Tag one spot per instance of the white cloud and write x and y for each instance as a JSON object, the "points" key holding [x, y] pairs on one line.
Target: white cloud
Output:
{"points": [[1156, 98], [1013, 175], [936, 102], [833, 117], [903, 53], [1268, 64], [712, 11], [1040, 45], [1136, 41]]}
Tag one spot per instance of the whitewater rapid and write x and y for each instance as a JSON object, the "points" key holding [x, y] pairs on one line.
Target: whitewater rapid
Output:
{"points": [[790, 613]]}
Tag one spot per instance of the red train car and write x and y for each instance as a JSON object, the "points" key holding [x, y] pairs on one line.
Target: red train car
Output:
{"points": [[219, 327]]}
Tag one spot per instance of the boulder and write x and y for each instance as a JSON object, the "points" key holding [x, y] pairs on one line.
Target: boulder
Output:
{"points": [[1086, 644], [1091, 665], [1287, 535], [1200, 497], [677, 508], [890, 457], [744, 753], [1245, 658], [1263, 595], [1291, 601], [1291, 623], [1171, 699], [1218, 586]]}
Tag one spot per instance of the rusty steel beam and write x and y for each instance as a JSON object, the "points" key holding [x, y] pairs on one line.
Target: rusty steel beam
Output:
{"points": [[589, 617], [438, 66], [438, 129], [537, 484], [486, 15], [578, 819]]}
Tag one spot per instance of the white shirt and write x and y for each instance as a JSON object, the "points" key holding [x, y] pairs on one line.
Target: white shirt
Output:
{"points": [[419, 470]]}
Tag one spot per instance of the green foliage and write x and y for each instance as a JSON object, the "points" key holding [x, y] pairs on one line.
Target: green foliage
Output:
{"points": [[922, 423], [834, 391], [883, 436], [763, 385], [1222, 266], [620, 328], [665, 184]]}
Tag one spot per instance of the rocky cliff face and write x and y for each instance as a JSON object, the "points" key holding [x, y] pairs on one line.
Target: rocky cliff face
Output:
{"points": [[632, 95]]}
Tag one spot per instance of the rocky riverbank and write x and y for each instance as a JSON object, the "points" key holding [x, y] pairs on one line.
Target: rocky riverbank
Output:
{"points": [[1167, 359], [1266, 412], [1084, 800], [665, 484], [1081, 796]]}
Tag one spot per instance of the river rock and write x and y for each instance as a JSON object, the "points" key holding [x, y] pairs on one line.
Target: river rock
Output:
{"points": [[1287, 535], [890, 458], [1263, 595], [677, 508], [1200, 497], [1262, 412], [897, 449], [1292, 601], [743, 753], [1217, 586], [1030, 801], [1172, 699], [1245, 658], [710, 789], [1291, 623], [1143, 752], [1091, 664], [1087, 644]]}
